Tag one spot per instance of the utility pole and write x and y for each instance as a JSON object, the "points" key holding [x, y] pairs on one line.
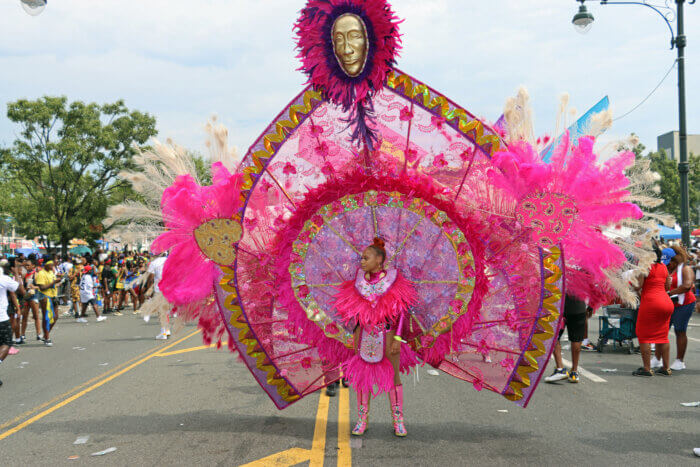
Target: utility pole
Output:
{"points": [[683, 132]]}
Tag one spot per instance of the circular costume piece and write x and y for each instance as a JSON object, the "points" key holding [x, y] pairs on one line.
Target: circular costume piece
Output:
{"points": [[488, 303], [411, 228]]}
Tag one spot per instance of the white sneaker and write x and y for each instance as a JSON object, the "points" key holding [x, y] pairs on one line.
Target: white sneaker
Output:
{"points": [[162, 337], [558, 375], [81, 320], [696, 451], [101, 318], [656, 363], [678, 365]]}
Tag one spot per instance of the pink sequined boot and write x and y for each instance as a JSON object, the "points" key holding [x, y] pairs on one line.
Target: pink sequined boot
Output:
{"points": [[362, 413], [396, 400]]}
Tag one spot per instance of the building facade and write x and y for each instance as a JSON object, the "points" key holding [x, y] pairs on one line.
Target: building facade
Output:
{"points": [[670, 144]]}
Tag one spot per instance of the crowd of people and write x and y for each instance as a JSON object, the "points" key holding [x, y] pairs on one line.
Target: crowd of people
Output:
{"points": [[104, 283], [667, 299]]}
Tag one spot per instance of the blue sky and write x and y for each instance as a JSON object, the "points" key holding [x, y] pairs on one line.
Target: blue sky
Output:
{"points": [[183, 61]]}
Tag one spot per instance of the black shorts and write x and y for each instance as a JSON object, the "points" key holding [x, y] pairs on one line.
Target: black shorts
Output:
{"points": [[5, 333], [92, 301], [575, 326]]}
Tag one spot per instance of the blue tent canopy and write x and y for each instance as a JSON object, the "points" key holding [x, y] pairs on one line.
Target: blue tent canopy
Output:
{"points": [[26, 251], [670, 234]]}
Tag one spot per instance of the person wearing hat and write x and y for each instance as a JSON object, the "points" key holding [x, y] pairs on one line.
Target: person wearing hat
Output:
{"points": [[681, 284], [46, 280], [87, 295]]}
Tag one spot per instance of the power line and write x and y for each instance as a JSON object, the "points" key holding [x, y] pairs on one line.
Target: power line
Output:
{"points": [[673, 65]]}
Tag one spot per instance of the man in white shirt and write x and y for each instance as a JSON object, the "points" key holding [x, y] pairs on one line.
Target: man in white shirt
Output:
{"points": [[157, 302], [87, 296], [156, 269], [65, 268], [8, 287]]}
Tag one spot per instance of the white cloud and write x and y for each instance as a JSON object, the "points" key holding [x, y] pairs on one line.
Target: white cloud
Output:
{"points": [[183, 61]]}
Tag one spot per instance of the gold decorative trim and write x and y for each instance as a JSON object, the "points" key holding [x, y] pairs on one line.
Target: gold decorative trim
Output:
{"points": [[282, 129], [252, 346], [471, 128], [543, 328]]}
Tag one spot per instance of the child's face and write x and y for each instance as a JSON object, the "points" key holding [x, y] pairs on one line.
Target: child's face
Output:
{"points": [[370, 261]]}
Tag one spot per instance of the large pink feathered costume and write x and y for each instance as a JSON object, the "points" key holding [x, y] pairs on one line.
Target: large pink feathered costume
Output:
{"points": [[474, 228]]}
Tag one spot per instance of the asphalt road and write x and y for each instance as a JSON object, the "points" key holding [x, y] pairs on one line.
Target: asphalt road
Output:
{"points": [[178, 403]]}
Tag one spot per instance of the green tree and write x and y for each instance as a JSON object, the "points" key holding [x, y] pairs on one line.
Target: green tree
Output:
{"points": [[670, 183], [65, 162], [202, 168]]}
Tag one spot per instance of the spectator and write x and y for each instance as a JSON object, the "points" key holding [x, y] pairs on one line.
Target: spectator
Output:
{"points": [[8, 287], [65, 268], [13, 312], [107, 279], [46, 280], [586, 344], [154, 275], [30, 301], [131, 283], [653, 318], [87, 295], [74, 282], [575, 315], [119, 287], [681, 285]]}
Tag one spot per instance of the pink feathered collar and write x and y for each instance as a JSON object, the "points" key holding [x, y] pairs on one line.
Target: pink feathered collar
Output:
{"points": [[369, 304]]}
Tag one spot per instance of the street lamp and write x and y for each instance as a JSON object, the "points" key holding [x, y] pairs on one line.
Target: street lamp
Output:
{"points": [[583, 21], [34, 7]]}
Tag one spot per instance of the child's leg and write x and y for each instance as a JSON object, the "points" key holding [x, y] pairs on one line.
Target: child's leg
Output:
{"points": [[393, 353]]}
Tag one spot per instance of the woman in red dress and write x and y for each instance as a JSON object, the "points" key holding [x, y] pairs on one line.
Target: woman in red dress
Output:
{"points": [[654, 316]]}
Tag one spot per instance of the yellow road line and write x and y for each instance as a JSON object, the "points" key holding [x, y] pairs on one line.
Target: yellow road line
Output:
{"points": [[318, 446], [71, 391], [189, 349], [91, 388], [296, 456], [344, 451], [286, 458]]}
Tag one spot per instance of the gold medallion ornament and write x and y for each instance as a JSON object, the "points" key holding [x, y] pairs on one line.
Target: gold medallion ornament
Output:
{"points": [[350, 43], [216, 239]]}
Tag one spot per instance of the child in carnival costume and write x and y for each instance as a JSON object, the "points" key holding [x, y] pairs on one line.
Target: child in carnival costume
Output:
{"points": [[377, 303]]}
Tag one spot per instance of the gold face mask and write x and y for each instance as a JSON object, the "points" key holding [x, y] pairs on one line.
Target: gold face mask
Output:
{"points": [[350, 43]]}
